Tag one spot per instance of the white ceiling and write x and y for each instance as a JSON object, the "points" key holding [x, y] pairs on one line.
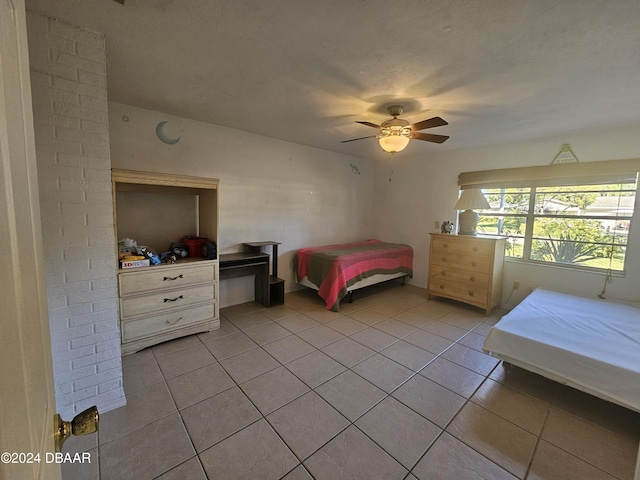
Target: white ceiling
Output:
{"points": [[305, 70]]}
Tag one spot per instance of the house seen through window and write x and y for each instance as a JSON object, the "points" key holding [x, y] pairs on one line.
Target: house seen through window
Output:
{"points": [[584, 226]]}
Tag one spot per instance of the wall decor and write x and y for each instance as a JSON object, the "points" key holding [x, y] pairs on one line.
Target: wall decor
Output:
{"points": [[162, 136], [566, 155]]}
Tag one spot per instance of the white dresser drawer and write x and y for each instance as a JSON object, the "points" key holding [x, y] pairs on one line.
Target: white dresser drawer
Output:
{"points": [[155, 278], [143, 327], [166, 300]]}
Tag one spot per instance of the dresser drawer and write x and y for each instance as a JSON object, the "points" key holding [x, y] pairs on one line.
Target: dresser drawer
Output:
{"points": [[143, 327], [462, 291], [156, 278], [468, 277], [462, 246], [166, 300], [471, 263]]}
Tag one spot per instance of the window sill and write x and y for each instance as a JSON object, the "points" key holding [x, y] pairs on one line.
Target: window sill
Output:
{"points": [[575, 268]]}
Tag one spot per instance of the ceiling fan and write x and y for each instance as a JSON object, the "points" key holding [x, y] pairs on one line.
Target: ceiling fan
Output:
{"points": [[395, 133]]}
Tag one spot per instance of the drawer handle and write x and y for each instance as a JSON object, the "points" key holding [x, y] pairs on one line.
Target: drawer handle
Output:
{"points": [[472, 278], [470, 293], [474, 264], [444, 272], [444, 259], [445, 245], [169, 322], [172, 278], [441, 287], [173, 299], [475, 249]]}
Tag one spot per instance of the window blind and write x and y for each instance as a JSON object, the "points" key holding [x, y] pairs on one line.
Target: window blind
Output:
{"points": [[587, 173]]}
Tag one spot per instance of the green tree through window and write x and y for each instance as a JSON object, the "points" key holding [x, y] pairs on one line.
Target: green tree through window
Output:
{"points": [[583, 226]]}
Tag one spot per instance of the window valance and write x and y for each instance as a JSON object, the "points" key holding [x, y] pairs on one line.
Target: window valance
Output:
{"points": [[585, 173]]}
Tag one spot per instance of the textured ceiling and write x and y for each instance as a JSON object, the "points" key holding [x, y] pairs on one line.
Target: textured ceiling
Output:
{"points": [[305, 70]]}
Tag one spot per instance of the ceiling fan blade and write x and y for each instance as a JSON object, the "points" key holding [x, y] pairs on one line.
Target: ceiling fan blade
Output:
{"points": [[430, 123], [361, 138], [428, 137], [369, 124], [121, 2]]}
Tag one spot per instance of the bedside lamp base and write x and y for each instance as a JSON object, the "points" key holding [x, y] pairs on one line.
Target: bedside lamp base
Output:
{"points": [[467, 222]]}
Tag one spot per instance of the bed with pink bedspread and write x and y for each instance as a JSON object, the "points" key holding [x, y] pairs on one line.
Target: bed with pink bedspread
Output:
{"points": [[336, 270]]}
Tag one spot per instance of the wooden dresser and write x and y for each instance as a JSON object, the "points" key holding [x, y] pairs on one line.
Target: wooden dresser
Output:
{"points": [[467, 268]]}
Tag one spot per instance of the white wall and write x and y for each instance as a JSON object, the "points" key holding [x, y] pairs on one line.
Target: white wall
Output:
{"points": [[423, 189], [269, 189]]}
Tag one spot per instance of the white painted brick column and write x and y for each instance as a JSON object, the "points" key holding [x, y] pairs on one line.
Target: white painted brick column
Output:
{"points": [[69, 88]]}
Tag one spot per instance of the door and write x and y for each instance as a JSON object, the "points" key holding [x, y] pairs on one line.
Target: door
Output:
{"points": [[27, 403]]}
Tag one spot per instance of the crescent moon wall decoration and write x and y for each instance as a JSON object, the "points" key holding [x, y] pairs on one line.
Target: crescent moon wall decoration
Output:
{"points": [[162, 137]]}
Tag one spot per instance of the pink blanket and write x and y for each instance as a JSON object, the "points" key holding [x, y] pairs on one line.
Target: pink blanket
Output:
{"points": [[334, 268]]}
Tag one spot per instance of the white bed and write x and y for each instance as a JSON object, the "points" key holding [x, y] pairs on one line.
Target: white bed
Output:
{"points": [[589, 344]]}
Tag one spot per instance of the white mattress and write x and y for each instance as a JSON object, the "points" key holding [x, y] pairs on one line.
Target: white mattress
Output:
{"points": [[590, 344]]}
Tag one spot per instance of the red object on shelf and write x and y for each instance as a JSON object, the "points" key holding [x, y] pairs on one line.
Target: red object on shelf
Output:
{"points": [[194, 244]]}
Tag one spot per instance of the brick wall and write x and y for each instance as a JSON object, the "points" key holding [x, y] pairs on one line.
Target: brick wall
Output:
{"points": [[68, 79]]}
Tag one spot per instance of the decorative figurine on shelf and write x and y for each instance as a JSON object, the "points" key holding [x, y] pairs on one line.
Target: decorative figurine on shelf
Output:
{"points": [[446, 227]]}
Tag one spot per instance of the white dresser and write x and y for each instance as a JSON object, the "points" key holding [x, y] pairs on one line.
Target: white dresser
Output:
{"points": [[164, 302], [167, 301]]}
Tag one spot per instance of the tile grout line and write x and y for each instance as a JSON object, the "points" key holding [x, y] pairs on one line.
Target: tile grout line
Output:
{"points": [[538, 439], [197, 455]]}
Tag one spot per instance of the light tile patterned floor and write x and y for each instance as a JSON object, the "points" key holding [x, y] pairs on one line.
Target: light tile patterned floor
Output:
{"points": [[391, 387]]}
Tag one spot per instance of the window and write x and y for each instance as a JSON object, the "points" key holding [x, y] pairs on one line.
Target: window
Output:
{"points": [[582, 221]]}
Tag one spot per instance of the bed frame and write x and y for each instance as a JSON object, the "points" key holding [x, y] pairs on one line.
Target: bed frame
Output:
{"points": [[588, 344], [365, 282], [336, 271]]}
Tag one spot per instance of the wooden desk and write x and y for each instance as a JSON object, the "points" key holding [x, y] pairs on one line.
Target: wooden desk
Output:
{"points": [[276, 285], [233, 265]]}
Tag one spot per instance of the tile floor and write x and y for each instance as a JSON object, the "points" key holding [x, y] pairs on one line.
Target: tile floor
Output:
{"points": [[391, 387]]}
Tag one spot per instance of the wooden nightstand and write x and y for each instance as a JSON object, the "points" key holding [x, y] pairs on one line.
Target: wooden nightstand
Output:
{"points": [[467, 268]]}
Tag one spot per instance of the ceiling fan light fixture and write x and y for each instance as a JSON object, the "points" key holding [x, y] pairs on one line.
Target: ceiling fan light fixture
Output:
{"points": [[394, 139], [396, 133]]}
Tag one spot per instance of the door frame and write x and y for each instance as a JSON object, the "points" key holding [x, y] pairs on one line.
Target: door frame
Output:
{"points": [[27, 404]]}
